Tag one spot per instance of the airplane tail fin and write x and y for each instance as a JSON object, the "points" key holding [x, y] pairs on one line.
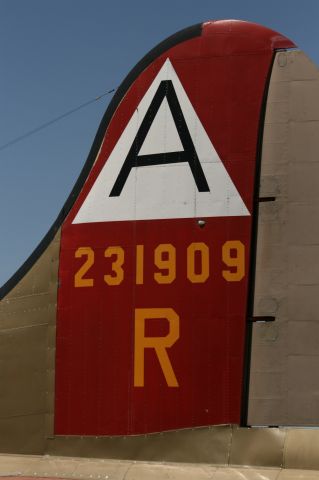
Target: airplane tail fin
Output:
{"points": [[136, 313]]}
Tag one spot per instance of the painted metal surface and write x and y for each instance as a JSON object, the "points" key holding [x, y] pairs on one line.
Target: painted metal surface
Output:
{"points": [[144, 471], [27, 356], [154, 257], [285, 354], [95, 345], [227, 452]]}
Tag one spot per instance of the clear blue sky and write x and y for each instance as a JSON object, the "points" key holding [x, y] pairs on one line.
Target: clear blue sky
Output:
{"points": [[57, 54]]}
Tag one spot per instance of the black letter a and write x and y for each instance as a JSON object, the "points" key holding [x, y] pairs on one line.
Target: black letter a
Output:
{"points": [[189, 155]]}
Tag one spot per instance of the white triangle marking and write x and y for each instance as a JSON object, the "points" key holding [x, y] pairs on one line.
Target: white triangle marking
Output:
{"points": [[162, 191]]}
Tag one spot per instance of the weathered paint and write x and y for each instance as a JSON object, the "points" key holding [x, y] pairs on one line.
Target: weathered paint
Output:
{"points": [[221, 451], [151, 338], [28, 306], [27, 356], [285, 354]]}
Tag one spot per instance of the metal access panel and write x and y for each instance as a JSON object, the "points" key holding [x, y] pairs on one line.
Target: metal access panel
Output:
{"points": [[284, 387]]}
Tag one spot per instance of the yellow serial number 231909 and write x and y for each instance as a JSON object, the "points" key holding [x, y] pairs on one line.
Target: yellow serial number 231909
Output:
{"points": [[197, 258]]}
